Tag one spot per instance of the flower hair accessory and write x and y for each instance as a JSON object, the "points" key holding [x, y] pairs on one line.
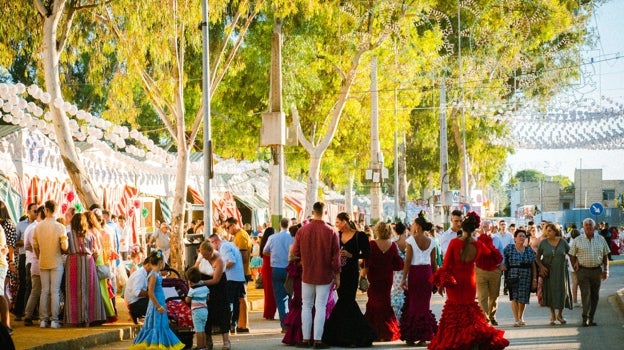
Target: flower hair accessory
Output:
{"points": [[135, 249], [97, 212], [159, 254], [474, 217]]}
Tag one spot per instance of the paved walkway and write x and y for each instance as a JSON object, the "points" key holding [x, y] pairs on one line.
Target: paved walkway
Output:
{"points": [[265, 334]]}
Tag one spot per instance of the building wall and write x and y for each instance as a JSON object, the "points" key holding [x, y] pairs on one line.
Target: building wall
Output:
{"points": [[587, 187]]}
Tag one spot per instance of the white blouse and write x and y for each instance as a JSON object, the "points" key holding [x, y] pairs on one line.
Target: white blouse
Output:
{"points": [[420, 257]]}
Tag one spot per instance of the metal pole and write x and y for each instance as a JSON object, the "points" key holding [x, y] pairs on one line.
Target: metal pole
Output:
{"points": [[207, 136], [461, 105]]}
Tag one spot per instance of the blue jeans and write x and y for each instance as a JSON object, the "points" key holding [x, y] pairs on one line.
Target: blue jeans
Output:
{"points": [[49, 301], [281, 297]]}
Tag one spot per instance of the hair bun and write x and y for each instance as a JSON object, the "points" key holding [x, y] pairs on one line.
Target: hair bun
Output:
{"points": [[422, 221], [471, 222]]}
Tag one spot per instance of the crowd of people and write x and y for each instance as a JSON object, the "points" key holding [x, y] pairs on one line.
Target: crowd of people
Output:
{"points": [[68, 269]]}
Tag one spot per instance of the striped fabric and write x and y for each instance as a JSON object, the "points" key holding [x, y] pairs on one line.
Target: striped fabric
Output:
{"points": [[126, 201], [11, 198], [165, 209], [195, 197]]}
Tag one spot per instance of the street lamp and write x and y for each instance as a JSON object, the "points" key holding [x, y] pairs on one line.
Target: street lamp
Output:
{"points": [[207, 136]]}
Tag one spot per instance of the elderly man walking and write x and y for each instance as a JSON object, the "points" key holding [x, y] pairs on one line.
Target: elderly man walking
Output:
{"points": [[589, 254]]}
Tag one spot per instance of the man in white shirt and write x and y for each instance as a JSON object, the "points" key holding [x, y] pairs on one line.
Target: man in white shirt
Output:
{"points": [[445, 237], [505, 239], [135, 294]]}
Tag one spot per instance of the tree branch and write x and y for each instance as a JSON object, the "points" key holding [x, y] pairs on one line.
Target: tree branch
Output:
{"points": [[155, 96], [307, 145], [71, 12], [44, 11]]}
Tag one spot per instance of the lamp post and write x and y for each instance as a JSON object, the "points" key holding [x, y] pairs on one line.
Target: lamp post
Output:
{"points": [[207, 136]]}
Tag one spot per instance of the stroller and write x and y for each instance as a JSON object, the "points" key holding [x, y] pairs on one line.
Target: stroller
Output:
{"points": [[180, 316]]}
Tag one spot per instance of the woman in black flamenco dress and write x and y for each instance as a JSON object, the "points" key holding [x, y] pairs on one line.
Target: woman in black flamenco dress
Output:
{"points": [[463, 324], [346, 325]]}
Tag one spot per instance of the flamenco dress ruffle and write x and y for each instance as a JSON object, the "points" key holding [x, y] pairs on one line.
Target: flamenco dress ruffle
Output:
{"points": [[155, 333], [385, 324], [418, 323], [292, 321], [463, 326]]}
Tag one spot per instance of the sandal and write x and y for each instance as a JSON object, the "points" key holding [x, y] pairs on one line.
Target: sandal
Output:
{"points": [[561, 320]]}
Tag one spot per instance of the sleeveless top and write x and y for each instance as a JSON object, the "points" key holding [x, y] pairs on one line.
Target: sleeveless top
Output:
{"points": [[420, 257]]}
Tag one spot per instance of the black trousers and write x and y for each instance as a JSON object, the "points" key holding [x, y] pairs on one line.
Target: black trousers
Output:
{"points": [[138, 309], [24, 286]]}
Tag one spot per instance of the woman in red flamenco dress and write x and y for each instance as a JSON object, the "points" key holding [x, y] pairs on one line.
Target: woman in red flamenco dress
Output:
{"points": [[463, 324], [270, 306]]}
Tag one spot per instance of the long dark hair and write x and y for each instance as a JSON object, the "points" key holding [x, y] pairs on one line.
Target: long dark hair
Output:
{"points": [[265, 237], [471, 222], [344, 216]]}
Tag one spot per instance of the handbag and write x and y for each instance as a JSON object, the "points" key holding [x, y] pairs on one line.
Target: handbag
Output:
{"points": [[289, 286], [103, 271], [363, 284]]}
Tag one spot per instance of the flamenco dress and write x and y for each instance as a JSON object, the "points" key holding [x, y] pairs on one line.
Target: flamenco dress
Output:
{"points": [[155, 333], [463, 324], [381, 266], [270, 306], [346, 326], [418, 323]]}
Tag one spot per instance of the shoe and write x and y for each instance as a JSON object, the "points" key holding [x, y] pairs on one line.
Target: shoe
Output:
{"points": [[517, 324], [28, 322], [242, 330], [43, 324], [18, 318], [561, 320], [303, 344], [592, 323], [493, 322], [233, 329], [523, 323], [320, 345], [10, 330], [552, 321], [421, 343], [55, 324], [226, 345]]}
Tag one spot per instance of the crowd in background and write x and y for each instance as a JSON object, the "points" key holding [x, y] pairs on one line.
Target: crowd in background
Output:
{"points": [[67, 269]]}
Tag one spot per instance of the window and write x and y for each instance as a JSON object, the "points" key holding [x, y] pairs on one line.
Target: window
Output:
{"points": [[608, 195], [566, 205]]}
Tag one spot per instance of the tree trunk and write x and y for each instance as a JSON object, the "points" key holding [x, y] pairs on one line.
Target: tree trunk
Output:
{"points": [[64, 139], [460, 155], [177, 212], [313, 179]]}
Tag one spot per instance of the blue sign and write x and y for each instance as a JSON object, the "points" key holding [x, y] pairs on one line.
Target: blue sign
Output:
{"points": [[596, 209], [467, 207]]}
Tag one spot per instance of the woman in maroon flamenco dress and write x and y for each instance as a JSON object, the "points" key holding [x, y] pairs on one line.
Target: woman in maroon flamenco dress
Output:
{"points": [[418, 324], [269, 298], [463, 324], [379, 268]]}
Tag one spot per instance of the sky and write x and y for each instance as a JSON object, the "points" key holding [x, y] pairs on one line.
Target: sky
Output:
{"points": [[609, 22]]}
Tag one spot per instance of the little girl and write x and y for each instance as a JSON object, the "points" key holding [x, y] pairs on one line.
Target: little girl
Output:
{"points": [[156, 332]]}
